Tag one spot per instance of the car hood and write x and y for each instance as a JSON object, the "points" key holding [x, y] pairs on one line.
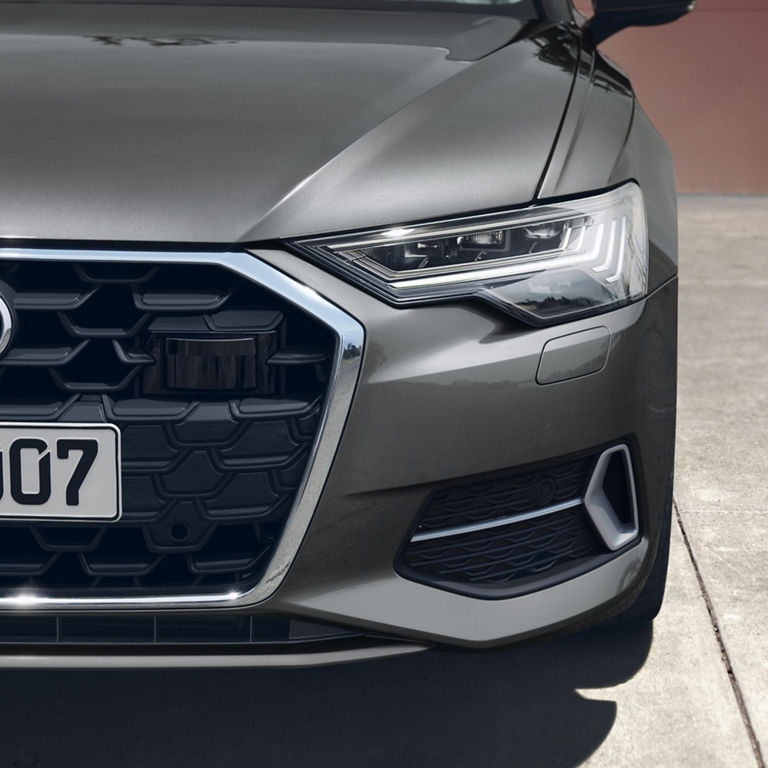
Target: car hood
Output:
{"points": [[225, 125]]}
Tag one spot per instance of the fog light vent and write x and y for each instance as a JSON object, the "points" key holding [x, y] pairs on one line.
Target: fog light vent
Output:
{"points": [[611, 498]]}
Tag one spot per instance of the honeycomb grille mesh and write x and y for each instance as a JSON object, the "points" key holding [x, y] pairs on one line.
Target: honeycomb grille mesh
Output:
{"points": [[504, 550], [208, 477], [503, 496]]}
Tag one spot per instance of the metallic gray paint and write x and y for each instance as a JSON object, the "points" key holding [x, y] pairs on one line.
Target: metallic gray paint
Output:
{"points": [[279, 129], [390, 602], [467, 373], [573, 355], [594, 130], [607, 139]]}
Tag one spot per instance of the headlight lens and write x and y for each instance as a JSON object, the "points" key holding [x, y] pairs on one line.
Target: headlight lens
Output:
{"points": [[547, 263]]}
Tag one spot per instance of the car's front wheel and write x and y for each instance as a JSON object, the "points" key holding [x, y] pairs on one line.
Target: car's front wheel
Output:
{"points": [[648, 602]]}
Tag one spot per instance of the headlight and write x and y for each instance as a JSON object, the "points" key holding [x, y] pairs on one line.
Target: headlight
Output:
{"points": [[546, 263]]}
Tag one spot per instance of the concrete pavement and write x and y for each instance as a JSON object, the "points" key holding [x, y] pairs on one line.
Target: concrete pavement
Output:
{"points": [[693, 691], [722, 443]]}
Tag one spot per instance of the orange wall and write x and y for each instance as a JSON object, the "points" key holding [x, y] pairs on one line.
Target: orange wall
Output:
{"points": [[703, 81]]}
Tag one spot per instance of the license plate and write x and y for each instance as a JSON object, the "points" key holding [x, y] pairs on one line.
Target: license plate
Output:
{"points": [[60, 472]]}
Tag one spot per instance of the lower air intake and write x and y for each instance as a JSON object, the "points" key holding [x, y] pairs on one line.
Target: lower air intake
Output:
{"points": [[511, 533]]}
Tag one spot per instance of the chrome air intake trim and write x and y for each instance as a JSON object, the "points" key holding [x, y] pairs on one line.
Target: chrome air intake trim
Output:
{"points": [[496, 522], [615, 532]]}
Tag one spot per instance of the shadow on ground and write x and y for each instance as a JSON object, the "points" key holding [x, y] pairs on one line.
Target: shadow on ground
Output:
{"points": [[516, 707]]}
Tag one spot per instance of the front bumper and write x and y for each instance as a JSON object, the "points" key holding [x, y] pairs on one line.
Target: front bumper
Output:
{"points": [[444, 392], [450, 391]]}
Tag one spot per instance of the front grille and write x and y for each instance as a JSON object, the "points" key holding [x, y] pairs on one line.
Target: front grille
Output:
{"points": [[506, 534], [218, 387]]}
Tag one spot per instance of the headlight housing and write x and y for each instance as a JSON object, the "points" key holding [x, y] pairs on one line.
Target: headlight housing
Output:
{"points": [[546, 264]]}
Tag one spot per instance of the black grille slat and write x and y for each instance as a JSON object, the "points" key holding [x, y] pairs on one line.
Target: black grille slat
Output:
{"points": [[127, 331], [68, 385], [131, 357], [118, 565], [109, 273], [201, 301], [151, 410], [224, 321], [208, 479], [48, 357], [52, 301], [78, 539], [22, 565], [234, 562], [299, 356], [23, 409]]}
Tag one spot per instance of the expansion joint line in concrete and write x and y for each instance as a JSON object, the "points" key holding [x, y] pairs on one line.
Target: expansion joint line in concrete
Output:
{"points": [[723, 651]]}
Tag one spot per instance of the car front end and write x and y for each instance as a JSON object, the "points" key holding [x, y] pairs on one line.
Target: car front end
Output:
{"points": [[328, 333]]}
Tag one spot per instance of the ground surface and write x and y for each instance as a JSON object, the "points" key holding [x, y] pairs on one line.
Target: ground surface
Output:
{"points": [[691, 692]]}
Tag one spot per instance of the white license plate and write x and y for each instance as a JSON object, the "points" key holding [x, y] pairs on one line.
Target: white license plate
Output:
{"points": [[60, 471]]}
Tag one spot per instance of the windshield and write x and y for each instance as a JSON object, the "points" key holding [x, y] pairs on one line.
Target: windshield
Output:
{"points": [[525, 9]]}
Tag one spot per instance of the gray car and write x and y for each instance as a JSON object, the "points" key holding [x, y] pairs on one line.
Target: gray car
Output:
{"points": [[329, 330]]}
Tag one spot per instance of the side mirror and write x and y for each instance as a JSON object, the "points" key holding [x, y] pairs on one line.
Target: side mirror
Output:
{"points": [[613, 15]]}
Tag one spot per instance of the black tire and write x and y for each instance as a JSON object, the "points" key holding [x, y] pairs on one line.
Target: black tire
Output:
{"points": [[648, 603]]}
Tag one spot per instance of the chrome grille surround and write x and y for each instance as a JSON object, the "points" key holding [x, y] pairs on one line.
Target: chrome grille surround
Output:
{"points": [[344, 372]]}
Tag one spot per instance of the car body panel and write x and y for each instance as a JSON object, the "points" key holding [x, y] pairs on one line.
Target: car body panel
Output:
{"points": [[607, 139], [121, 135]]}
